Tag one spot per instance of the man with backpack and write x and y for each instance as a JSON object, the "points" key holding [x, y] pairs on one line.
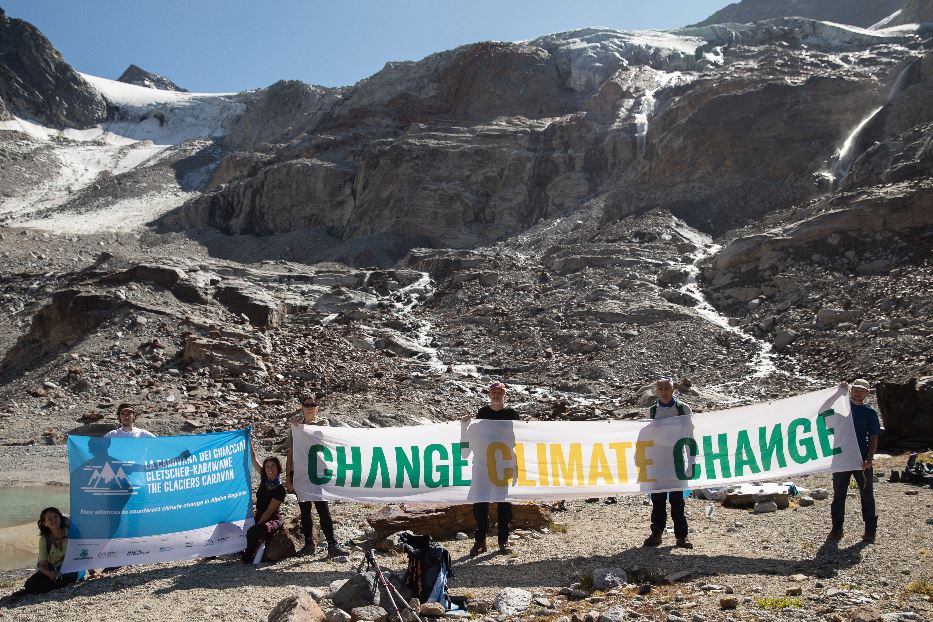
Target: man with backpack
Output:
{"points": [[668, 406]]}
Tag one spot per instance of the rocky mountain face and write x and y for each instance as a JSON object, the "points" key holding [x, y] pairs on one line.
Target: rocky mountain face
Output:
{"points": [[914, 12], [141, 77], [35, 82], [862, 14], [474, 145], [745, 206]]}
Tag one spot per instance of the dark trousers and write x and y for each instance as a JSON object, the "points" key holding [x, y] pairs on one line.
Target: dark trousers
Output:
{"points": [[307, 523], [865, 481], [258, 533], [659, 512], [503, 518], [40, 584]]}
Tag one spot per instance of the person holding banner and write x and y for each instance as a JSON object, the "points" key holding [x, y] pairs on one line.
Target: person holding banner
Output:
{"points": [[53, 540], [309, 416], [269, 496], [668, 406], [126, 414], [867, 431], [497, 411]]}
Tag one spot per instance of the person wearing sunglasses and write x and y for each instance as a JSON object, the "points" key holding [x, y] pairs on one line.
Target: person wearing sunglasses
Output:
{"points": [[310, 407]]}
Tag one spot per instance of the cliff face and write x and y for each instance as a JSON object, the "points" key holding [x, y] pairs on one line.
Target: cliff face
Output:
{"points": [[862, 14], [718, 124], [37, 83]]}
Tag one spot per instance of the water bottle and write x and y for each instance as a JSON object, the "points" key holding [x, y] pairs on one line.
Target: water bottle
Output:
{"points": [[259, 552]]}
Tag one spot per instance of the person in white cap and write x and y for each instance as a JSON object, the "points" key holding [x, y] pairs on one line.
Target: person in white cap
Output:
{"points": [[496, 410], [668, 406], [867, 430]]}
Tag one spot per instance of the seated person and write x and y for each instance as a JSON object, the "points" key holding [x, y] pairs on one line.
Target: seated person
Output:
{"points": [[269, 496]]}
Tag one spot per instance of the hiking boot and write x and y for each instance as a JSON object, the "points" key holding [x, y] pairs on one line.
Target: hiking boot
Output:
{"points": [[307, 549], [683, 543], [835, 535], [868, 537], [334, 550], [478, 547], [653, 540], [505, 550]]}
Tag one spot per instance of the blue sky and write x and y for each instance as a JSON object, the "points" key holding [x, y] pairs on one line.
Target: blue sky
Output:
{"points": [[232, 45]]}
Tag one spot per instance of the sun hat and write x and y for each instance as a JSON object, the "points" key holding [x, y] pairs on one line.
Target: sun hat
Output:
{"points": [[861, 383]]}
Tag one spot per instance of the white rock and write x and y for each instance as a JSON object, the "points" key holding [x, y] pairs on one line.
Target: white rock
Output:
{"points": [[512, 600]]}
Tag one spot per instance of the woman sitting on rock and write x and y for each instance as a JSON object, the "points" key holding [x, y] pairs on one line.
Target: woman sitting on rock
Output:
{"points": [[269, 496], [53, 540]]}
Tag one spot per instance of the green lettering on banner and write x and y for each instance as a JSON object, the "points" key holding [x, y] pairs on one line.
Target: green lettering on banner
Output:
{"points": [[679, 465], [771, 448], [442, 470], [722, 456], [745, 455], [327, 456], [407, 467], [355, 466], [456, 450], [807, 444], [377, 465], [823, 432]]}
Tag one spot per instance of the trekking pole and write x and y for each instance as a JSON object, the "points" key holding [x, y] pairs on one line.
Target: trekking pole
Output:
{"points": [[390, 589]]}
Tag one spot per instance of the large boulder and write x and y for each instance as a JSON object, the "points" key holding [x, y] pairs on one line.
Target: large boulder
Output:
{"points": [[297, 608], [221, 353], [907, 411], [258, 306], [444, 521], [280, 546], [364, 589], [37, 83]]}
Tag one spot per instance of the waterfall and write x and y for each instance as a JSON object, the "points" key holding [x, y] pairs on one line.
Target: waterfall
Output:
{"points": [[847, 153], [641, 119]]}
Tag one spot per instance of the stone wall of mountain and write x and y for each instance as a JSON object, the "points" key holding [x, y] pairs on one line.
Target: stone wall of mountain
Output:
{"points": [[718, 124], [862, 14], [36, 82], [915, 12]]}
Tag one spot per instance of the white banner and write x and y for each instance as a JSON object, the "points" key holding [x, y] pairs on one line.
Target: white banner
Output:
{"points": [[483, 460]]}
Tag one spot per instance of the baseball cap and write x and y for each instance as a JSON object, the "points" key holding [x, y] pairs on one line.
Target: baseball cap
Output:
{"points": [[861, 383], [497, 384]]}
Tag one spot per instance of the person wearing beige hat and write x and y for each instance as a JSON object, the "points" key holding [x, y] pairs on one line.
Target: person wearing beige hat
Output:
{"points": [[867, 431]]}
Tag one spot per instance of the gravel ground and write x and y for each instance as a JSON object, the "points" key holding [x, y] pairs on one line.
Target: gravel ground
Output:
{"points": [[753, 555]]}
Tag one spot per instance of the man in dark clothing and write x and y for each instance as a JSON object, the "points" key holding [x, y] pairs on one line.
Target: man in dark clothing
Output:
{"points": [[668, 406], [867, 431], [498, 411]]}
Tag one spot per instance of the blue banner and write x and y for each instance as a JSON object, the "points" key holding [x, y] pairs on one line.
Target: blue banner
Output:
{"points": [[147, 500]]}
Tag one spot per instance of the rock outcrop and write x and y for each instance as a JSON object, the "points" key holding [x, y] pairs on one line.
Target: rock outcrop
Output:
{"points": [[914, 12], [37, 83], [445, 521], [862, 13], [141, 77], [281, 112], [907, 412]]}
